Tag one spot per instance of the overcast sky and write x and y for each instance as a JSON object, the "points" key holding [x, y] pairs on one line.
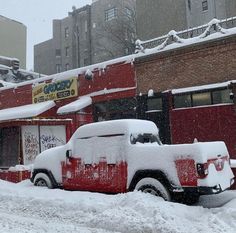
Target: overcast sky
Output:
{"points": [[37, 16]]}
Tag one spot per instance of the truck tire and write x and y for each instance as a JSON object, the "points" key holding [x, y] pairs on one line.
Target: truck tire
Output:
{"points": [[154, 187], [41, 179]]}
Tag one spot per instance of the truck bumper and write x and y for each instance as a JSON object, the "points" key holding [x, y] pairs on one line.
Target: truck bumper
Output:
{"points": [[202, 190]]}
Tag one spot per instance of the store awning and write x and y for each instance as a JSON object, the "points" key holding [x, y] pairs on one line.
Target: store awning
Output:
{"points": [[25, 111], [75, 106]]}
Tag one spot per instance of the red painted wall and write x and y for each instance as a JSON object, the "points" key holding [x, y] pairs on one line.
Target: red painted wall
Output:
{"points": [[213, 123], [120, 75]]}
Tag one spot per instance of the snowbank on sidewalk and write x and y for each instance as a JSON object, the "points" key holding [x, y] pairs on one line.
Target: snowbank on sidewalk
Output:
{"points": [[25, 208]]}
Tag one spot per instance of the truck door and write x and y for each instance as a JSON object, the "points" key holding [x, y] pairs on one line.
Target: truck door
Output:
{"points": [[98, 164]]}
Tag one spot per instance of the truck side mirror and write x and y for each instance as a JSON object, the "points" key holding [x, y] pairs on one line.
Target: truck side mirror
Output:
{"points": [[69, 154]]}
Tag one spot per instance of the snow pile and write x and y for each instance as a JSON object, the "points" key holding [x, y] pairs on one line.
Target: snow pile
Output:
{"points": [[201, 87], [6, 84], [150, 93], [233, 163], [21, 168], [82, 102], [25, 208], [26, 111], [172, 40]]}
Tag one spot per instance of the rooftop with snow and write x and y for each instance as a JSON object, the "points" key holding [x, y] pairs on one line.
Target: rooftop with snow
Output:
{"points": [[211, 31]]}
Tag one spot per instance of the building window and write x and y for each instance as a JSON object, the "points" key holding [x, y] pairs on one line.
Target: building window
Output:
{"points": [[86, 61], [85, 25], [182, 101], [58, 68], [200, 99], [67, 51], [204, 5], [9, 152], [128, 12], [58, 52], [221, 96], [67, 67], [154, 104], [115, 109], [66, 32], [110, 14], [189, 5]]}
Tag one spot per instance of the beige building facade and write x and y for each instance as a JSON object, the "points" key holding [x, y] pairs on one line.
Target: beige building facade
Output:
{"points": [[13, 40]]}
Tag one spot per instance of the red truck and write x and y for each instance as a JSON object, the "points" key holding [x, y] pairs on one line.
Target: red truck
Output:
{"points": [[125, 155]]}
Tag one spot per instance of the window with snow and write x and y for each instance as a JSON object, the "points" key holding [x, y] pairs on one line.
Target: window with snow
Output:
{"points": [[204, 5], [145, 138], [111, 14]]}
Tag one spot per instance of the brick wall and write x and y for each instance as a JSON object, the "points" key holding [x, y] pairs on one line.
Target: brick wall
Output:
{"points": [[204, 63]]}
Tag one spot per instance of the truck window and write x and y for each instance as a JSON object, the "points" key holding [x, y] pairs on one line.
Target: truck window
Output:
{"points": [[144, 138], [108, 146]]}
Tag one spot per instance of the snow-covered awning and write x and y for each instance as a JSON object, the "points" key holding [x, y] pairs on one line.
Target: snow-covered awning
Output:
{"points": [[25, 111], [75, 106]]}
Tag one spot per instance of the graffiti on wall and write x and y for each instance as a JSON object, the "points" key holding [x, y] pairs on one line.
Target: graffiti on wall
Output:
{"points": [[52, 136], [36, 139], [49, 141], [31, 146]]}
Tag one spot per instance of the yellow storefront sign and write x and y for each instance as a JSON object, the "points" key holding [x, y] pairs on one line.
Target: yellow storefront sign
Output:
{"points": [[55, 91]]}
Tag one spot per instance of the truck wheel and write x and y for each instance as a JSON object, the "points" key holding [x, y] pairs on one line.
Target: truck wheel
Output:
{"points": [[41, 179], [154, 187]]}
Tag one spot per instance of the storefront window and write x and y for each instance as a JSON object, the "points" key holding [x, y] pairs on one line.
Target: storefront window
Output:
{"points": [[200, 99], [182, 101], [115, 109], [221, 96], [9, 146], [154, 104]]}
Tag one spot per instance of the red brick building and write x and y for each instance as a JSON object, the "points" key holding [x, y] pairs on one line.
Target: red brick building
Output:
{"points": [[43, 113], [205, 62], [33, 114]]}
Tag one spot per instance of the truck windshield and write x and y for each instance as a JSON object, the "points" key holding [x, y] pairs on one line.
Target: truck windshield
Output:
{"points": [[145, 138]]}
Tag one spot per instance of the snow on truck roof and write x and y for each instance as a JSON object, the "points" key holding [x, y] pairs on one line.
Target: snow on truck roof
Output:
{"points": [[115, 127]]}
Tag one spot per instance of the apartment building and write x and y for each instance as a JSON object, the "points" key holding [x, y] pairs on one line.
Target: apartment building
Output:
{"points": [[70, 46], [91, 34], [157, 17], [13, 40]]}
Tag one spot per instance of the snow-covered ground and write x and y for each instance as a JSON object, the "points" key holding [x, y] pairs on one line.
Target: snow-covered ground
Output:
{"points": [[25, 208]]}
